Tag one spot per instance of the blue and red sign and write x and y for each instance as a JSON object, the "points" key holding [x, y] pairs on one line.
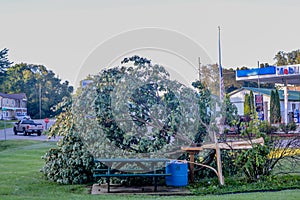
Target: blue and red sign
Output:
{"points": [[288, 69]]}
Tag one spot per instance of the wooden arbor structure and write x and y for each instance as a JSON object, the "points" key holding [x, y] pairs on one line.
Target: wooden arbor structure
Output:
{"points": [[233, 145]]}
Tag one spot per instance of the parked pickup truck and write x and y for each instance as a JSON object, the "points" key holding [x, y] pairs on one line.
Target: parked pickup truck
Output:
{"points": [[27, 126]]}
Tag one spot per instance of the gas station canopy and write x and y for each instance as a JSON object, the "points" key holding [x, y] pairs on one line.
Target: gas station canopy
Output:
{"points": [[289, 74]]}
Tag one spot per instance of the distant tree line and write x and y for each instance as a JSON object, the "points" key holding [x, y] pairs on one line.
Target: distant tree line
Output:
{"points": [[27, 78], [34, 81]]}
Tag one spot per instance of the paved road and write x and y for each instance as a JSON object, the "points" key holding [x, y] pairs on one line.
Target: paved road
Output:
{"points": [[9, 135]]}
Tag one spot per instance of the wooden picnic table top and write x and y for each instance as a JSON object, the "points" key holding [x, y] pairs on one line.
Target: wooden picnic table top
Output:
{"points": [[239, 144]]}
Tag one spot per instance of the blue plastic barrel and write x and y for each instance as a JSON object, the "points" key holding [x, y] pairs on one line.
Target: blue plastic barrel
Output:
{"points": [[179, 171]]}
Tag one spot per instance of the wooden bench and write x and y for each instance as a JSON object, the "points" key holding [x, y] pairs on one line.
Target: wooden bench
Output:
{"points": [[131, 167]]}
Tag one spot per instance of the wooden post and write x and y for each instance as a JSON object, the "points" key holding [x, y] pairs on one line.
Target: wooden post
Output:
{"points": [[219, 164], [192, 159], [191, 151], [219, 160]]}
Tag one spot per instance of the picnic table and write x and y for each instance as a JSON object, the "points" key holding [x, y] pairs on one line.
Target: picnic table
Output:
{"points": [[131, 167]]}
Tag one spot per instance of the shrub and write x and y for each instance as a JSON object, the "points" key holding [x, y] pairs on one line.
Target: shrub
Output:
{"points": [[292, 126], [254, 162], [70, 163], [288, 127], [266, 127]]}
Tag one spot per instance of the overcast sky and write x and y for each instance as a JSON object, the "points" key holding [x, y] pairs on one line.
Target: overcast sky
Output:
{"points": [[61, 34]]}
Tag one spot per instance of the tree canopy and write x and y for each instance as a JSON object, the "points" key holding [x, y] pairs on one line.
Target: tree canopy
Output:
{"points": [[287, 58], [28, 79], [133, 110], [139, 110]]}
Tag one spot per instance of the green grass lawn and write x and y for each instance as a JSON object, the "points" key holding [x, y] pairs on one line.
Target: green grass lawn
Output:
{"points": [[7, 124], [20, 162]]}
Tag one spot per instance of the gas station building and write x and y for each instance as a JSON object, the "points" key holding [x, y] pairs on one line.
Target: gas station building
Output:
{"points": [[285, 75]]}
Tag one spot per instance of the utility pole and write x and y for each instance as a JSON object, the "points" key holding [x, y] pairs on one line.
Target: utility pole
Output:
{"points": [[39, 92], [40, 100]]}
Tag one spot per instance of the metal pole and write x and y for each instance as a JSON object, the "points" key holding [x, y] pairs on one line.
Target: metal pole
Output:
{"points": [[4, 130], [218, 152], [285, 89], [199, 70], [5, 109], [220, 66], [258, 83], [40, 103], [3, 116]]}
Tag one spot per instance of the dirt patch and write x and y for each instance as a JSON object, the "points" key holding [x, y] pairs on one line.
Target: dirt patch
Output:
{"points": [[149, 190]]}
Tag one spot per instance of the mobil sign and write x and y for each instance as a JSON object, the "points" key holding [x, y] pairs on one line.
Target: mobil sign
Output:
{"points": [[288, 69]]}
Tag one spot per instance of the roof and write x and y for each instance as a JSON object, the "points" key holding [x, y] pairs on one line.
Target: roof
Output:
{"points": [[293, 95], [13, 96]]}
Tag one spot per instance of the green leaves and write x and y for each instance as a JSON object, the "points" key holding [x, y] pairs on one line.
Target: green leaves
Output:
{"points": [[254, 162], [287, 58], [70, 163], [134, 111], [27, 78], [4, 62], [275, 113], [139, 111], [247, 106]]}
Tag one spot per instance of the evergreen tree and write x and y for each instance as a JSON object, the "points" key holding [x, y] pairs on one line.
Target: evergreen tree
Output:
{"points": [[4, 62], [275, 115], [230, 111], [272, 107], [4, 65], [252, 107], [277, 108], [247, 107]]}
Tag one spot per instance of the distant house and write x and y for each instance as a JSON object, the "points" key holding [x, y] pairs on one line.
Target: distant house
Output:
{"points": [[237, 97], [12, 104]]}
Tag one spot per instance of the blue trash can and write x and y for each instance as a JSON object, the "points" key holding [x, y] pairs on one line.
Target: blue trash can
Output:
{"points": [[179, 171]]}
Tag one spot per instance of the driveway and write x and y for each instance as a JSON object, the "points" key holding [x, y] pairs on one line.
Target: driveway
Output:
{"points": [[8, 134]]}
